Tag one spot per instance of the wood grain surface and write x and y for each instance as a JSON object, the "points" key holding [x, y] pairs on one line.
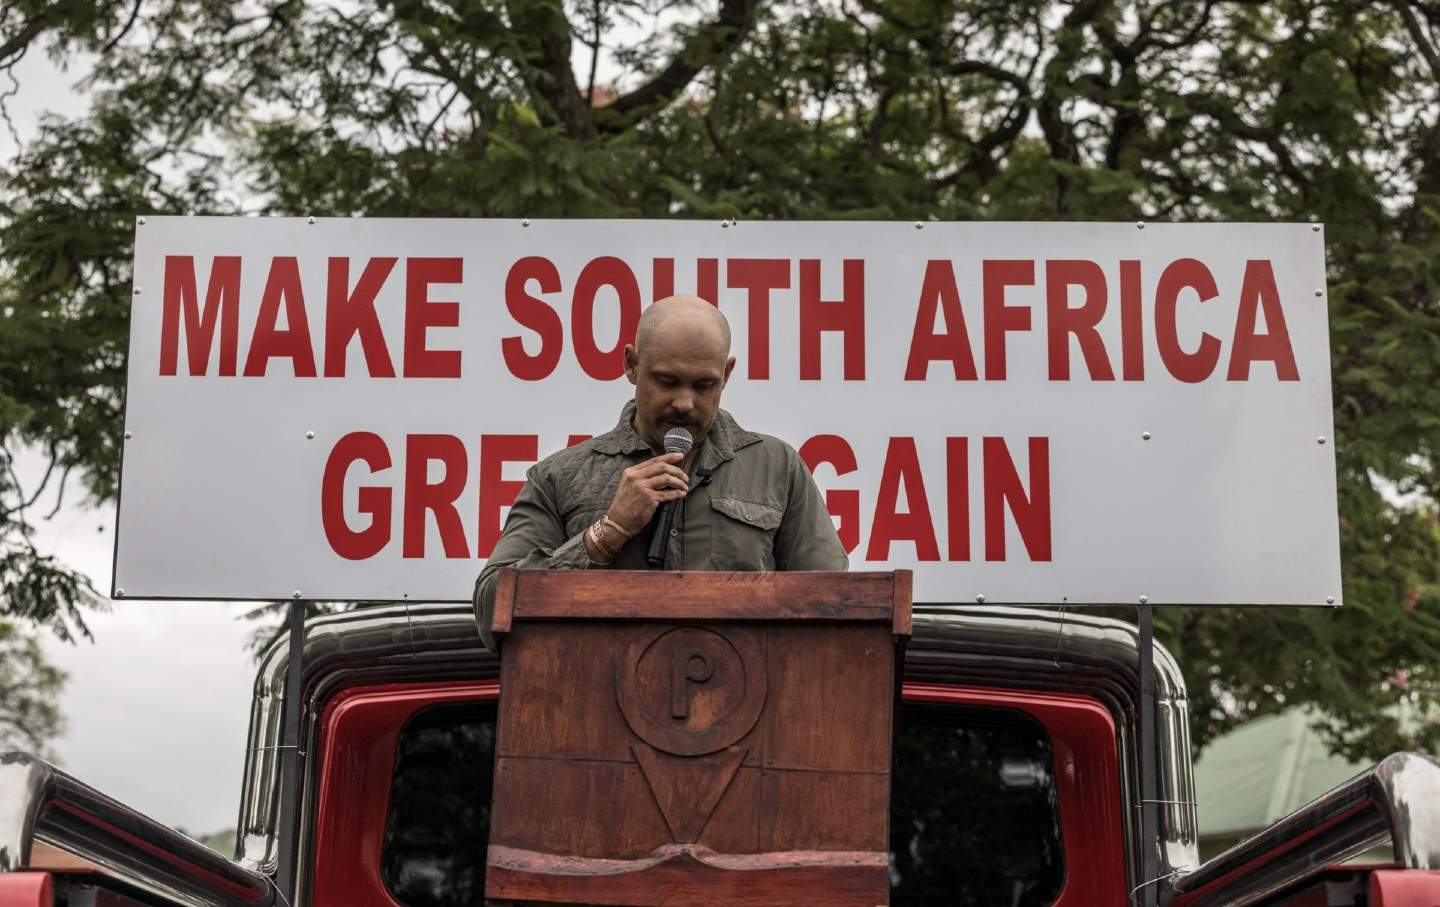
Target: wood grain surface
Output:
{"points": [[691, 877], [670, 738], [677, 595]]}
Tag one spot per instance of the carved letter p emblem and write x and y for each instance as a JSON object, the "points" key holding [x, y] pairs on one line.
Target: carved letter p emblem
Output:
{"points": [[688, 668]]}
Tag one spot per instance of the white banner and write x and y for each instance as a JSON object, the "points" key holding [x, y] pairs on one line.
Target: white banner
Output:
{"points": [[1027, 412]]}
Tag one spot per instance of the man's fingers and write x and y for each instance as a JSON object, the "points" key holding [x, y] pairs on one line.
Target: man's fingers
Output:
{"points": [[668, 492], [671, 458], [656, 467], [668, 480], [662, 471]]}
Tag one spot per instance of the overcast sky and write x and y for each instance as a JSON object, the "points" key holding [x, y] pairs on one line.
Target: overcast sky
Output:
{"points": [[157, 707]]}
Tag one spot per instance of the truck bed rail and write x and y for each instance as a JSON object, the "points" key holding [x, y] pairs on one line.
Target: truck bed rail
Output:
{"points": [[51, 821], [1395, 800]]}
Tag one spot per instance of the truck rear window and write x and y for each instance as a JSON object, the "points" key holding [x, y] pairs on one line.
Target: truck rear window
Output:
{"points": [[439, 820], [973, 809]]}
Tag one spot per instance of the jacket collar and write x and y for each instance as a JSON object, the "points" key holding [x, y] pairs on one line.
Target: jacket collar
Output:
{"points": [[724, 438]]}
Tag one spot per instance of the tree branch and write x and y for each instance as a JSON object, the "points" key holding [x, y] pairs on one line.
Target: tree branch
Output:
{"points": [[1412, 25], [711, 43], [544, 36], [1059, 135], [594, 55], [22, 39], [124, 29]]}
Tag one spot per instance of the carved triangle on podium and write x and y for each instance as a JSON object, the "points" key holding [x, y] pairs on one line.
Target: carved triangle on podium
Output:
{"points": [[687, 788]]}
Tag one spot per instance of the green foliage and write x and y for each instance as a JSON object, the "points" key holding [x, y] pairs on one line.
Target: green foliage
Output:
{"points": [[911, 109], [29, 718]]}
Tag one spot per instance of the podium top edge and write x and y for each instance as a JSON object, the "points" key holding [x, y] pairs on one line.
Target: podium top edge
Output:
{"points": [[704, 595]]}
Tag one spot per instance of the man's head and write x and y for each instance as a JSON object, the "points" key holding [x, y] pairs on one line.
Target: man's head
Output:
{"points": [[679, 364]]}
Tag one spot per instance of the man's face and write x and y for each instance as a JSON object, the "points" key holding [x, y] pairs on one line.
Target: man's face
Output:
{"points": [[677, 381]]}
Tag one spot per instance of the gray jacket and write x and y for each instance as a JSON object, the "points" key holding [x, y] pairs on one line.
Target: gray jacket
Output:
{"points": [[752, 506]]}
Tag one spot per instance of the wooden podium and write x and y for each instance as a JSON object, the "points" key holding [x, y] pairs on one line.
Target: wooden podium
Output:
{"points": [[695, 738]]}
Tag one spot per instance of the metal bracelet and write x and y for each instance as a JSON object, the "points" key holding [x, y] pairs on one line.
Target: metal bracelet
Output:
{"points": [[598, 538], [624, 533], [603, 537]]}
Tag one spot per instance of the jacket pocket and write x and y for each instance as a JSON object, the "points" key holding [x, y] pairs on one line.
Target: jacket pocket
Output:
{"points": [[742, 536]]}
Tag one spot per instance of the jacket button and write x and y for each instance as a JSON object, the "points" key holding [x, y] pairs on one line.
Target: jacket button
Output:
{"points": [[674, 532]]}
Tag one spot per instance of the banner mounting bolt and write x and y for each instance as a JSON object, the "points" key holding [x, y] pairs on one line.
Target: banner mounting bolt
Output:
{"points": [[1329, 599], [1144, 599], [525, 222], [980, 599], [137, 291], [120, 593], [129, 435], [140, 221], [1144, 436], [310, 219], [309, 436], [295, 595], [919, 225], [1319, 292], [1315, 228], [724, 224], [1139, 225], [1320, 439]]}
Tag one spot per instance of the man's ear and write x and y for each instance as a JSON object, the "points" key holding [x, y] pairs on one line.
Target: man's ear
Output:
{"points": [[632, 363], [729, 367]]}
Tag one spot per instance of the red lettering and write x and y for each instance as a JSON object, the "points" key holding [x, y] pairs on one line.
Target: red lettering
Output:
{"points": [[957, 498], [902, 468], [846, 315], [497, 492], [437, 498], [270, 341], [1273, 346], [1132, 327], [374, 500], [843, 504], [1003, 488], [604, 365], [222, 307], [423, 313], [534, 314], [354, 313], [1182, 274], [1000, 318], [1061, 320], [758, 277], [577, 439], [707, 279], [939, 295]]}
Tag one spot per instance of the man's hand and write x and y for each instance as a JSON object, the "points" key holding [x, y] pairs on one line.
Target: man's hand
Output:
{"points": [[644, 487]]}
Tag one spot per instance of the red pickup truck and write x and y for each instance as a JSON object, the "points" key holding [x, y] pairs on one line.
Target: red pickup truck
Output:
{"points": [[1016, 782]]}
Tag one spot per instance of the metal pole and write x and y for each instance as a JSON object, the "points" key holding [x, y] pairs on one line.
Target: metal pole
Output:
{"points": [[1149, 817], [290, 787]]}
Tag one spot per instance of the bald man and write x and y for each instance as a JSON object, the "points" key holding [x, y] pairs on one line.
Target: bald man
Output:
{"points": [[747, 500]]}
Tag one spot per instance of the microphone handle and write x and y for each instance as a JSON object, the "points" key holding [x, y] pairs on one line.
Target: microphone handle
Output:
{"points": [[660, 534]]}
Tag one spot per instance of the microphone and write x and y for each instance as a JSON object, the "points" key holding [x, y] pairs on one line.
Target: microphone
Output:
{"points": [[677, 440]]}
